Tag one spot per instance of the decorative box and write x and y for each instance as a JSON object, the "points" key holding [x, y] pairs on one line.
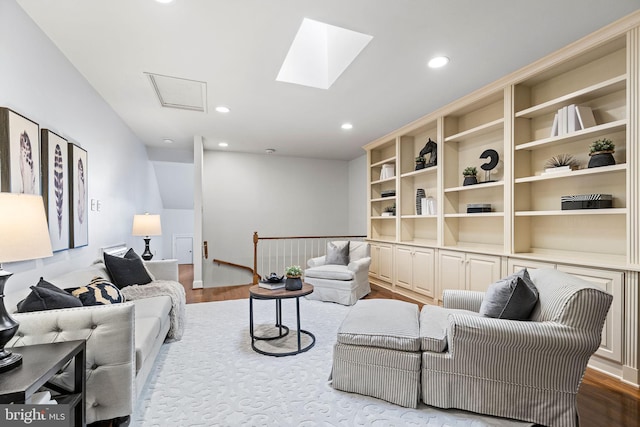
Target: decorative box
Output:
{"points": [[587, 201]]}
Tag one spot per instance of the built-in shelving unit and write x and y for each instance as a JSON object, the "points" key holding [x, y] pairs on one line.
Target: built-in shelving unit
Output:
{"points": [[526, 226]]}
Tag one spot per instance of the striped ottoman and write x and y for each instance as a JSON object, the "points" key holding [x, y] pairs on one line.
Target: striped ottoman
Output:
{"points": [[377, 352]]}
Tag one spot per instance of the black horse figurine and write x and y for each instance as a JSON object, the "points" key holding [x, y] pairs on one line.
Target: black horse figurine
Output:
{"points": [[430, 148]]}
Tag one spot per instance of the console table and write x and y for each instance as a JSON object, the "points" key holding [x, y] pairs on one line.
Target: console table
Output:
{"points": [[39, 364]]}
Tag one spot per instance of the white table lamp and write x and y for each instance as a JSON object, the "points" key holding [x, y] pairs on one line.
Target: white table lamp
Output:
{"points": [[146, 225], [23, 236]]}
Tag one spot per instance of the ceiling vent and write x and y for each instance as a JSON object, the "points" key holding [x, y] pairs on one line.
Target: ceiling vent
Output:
{"points": [[175, 92]]}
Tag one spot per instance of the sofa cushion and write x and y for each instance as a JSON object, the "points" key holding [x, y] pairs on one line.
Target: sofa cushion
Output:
{"points": [[382, 323], [151, 314], [128, 270], [513, 297], [330, 271], [98, 292], [337, 253], [434, 321], [45, 296]]}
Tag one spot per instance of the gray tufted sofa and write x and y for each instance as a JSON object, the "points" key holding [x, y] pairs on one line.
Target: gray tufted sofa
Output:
{"points": [[123, 340]]}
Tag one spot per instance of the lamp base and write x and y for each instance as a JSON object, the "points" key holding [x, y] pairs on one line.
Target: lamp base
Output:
{"points": [[8, 328], [10, 361], [147, 255]]}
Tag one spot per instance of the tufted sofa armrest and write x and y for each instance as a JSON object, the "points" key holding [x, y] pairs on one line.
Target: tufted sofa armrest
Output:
{"points": [[463, 300], [110, 363], [165, 269]]}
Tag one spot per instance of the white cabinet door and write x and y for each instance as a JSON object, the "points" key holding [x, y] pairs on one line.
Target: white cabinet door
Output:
{"points": [[385, 263], [374, 267], [451, 272], [481, 271], [424, 276], [404, 267], [611, 282]]}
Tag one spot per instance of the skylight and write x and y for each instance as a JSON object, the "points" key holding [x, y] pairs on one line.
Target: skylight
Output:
{"points": [[320, 53]]}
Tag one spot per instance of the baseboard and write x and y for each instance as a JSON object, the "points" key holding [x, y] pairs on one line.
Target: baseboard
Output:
{"points": [[197, 284]]}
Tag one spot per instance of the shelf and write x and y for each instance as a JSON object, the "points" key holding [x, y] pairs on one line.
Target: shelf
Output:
{"points": [[600, 89], [425, 171], [383, 199], [383, 217], [581, 172], [569, 257], [481, 248], [474, 215], [573, 212], [477, 131], [380, 181], [475, 186], [418, 216], [420, 242], [593, 131], [382, 162]]}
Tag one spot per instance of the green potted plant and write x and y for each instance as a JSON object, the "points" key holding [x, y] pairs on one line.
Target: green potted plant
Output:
{"points": [[601, 153], [294, 281], [469, 174], [420, 162]]}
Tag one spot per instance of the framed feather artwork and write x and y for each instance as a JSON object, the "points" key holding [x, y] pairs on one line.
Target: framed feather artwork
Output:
{"points": [[55, 187], [19, 153], [77, 170]]}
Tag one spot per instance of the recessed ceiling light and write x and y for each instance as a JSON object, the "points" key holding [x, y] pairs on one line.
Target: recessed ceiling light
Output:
{"points": [[438, 61], [222, 109], [167, 141], [270, 150], [347, 126], [223, 144], [164, 1]]}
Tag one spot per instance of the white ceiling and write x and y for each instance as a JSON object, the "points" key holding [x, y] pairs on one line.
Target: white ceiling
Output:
{"points": [[237, 48]]}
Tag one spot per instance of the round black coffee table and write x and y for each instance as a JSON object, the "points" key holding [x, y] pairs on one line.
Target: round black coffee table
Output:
{"points": [[258, 293]]}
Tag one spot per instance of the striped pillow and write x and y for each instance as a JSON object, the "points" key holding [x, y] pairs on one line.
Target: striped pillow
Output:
{"points": [[98, 292]]}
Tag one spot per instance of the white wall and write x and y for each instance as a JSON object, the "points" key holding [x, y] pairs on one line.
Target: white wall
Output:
{"points": [[37, 81], [273, 195], [358, 196]]}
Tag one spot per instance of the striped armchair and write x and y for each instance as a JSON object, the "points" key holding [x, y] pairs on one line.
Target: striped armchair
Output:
{"points": [[526, 370]]}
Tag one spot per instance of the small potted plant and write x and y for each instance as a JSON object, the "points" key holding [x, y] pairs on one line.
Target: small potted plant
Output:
{"points": [[469, 174], [601, 152], [294, 281], [420, 162], [389, 210]]}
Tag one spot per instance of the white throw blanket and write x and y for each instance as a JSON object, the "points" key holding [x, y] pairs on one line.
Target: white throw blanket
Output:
{"points": [[169, 288]]}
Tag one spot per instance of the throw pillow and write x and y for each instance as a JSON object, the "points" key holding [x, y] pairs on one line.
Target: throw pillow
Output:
{"points": [[128, 270], [513, 297], [337, 253], [45, 296], [98, 292]]}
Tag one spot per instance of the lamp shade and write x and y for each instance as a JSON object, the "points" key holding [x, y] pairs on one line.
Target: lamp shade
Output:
{"points": [[23, 228], [146, 225]]}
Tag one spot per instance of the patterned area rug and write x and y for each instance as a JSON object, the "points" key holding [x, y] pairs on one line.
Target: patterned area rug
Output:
{"points": [[213, 377]]}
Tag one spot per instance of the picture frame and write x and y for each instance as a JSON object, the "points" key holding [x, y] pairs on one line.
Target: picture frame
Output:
{"points": [[55, 187], [78, 202], [19, 153]]}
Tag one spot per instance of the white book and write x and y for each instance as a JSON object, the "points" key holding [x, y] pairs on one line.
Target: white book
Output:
{"points": [[572, 119], [558, 169], [585, 116], [271, 286], [563, 124], [554, 127]]}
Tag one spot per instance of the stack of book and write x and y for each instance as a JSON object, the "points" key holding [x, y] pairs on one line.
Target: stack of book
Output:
{"points": [[271, 285], [572, 118]]}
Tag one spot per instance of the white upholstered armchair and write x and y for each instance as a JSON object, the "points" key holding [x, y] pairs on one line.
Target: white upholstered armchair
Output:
{"points": [[527, 370], [344, 282]]}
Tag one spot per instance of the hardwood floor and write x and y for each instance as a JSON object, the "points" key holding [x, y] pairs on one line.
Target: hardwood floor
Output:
{"points": [[603, 401]]}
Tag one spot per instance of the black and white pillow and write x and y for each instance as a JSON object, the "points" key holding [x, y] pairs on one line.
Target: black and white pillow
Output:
{"points": [[128, 270], [98, 292]]}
